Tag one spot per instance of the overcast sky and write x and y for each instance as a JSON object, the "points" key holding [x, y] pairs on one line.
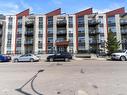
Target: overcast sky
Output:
{"points": [[69, 6]]}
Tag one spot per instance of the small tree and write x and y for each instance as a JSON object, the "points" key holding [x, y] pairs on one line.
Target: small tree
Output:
{"points": [[112, 44]]}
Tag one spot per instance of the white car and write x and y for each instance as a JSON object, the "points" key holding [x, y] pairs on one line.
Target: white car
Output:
{"points": [[26, 57], [119, 56]]}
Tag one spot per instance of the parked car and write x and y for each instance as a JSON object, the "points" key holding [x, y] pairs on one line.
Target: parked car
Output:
{"points": [[4, 58], [59, 56], [8, 56], [26, 57], [122, 55]]}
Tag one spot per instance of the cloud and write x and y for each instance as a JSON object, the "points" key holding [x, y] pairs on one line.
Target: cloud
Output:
{"points": [[8, 8], [12, 8], [25, 5]]}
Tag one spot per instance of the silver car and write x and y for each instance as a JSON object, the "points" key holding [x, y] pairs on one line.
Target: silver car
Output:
{"points": [[26, 57]]}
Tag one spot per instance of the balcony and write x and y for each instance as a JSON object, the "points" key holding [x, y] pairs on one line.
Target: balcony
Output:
{"points": [[50, 42], [29, 23], [0, 33], [61, 22], [29, 33], [61, 33], [18, 34], [124, 32], [93, 32], [124, 42], [1, 23], [93, 22], [123, 22], [62, 43], [28, 43], [94, 42]]}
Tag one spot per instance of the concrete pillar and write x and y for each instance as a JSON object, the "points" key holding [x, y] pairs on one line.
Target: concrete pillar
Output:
{"points": [[74, 34], [23, 35], [36, 32], [54, 31], [118, 32], [44, 33], [86, 32]]}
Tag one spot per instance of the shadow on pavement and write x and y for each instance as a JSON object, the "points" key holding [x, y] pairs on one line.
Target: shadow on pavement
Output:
{"points": [[32, 86]]}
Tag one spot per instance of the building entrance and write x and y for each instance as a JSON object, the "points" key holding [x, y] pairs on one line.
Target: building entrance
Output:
{"points": [[61, 49]]}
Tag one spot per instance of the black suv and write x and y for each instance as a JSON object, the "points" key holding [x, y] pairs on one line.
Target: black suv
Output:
{"points": [[59, 56]]}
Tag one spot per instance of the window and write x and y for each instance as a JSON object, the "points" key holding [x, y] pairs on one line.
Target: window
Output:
{"points": [[20, 20], [81, 21], [40, 23], [39, 44], [10, 23], [111, 19], [70, 22]]}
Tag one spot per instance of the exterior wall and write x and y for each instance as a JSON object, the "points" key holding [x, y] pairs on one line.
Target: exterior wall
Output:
{"points": [[86, 32], [54, 31], [12, 31], [118, 32], [44, 33], [74, 35], [23, 33], [36, 39], [57, 13]]}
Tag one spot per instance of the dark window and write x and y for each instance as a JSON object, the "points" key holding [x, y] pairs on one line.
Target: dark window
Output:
{"points": [[70, 22]]}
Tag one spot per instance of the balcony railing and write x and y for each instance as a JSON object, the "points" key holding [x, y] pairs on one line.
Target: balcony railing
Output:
{"points": [[123, 22], [93, 32], [62, 43], [61, 33], [18, 34], [93, 22], [29, 23], [0, 33], [61, 22], [29, 33], [124, 42], [124, 32], [94, 42], [28, 42]]}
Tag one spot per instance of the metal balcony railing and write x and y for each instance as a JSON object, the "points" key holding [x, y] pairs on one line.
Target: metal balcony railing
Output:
{"points": [[123, 22], [123, 32], [29, 42], [62, 43], [29, 33], [61, 22], [93, 22], [29, 23]]}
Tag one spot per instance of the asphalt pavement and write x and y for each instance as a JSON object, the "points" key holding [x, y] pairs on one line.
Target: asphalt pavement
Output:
{"points": [[78, 77]]}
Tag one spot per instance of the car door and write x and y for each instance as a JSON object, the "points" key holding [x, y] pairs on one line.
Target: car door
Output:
{"points": [[20, 58], [23, 57], [57, 57], [126, 54], [60, 57]]}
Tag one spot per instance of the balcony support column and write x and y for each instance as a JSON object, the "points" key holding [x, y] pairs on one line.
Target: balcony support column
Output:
{"points": [[118, 33], [54, 32], [86, 33]]}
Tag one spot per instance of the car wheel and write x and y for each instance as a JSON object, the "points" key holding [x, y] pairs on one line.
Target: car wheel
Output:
{"points": [[123, 58], [66, 59], [32, 60], [16, 60], [51, 59]]}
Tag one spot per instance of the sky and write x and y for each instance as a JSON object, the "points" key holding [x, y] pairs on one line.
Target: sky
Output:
{"points": [[12, 7]]}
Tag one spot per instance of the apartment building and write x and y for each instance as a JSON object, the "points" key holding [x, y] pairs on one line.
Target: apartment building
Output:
{"points": [[60, 32]]}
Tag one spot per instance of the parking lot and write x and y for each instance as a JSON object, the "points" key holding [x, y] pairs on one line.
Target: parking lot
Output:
{"points": [[77, 77]]}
